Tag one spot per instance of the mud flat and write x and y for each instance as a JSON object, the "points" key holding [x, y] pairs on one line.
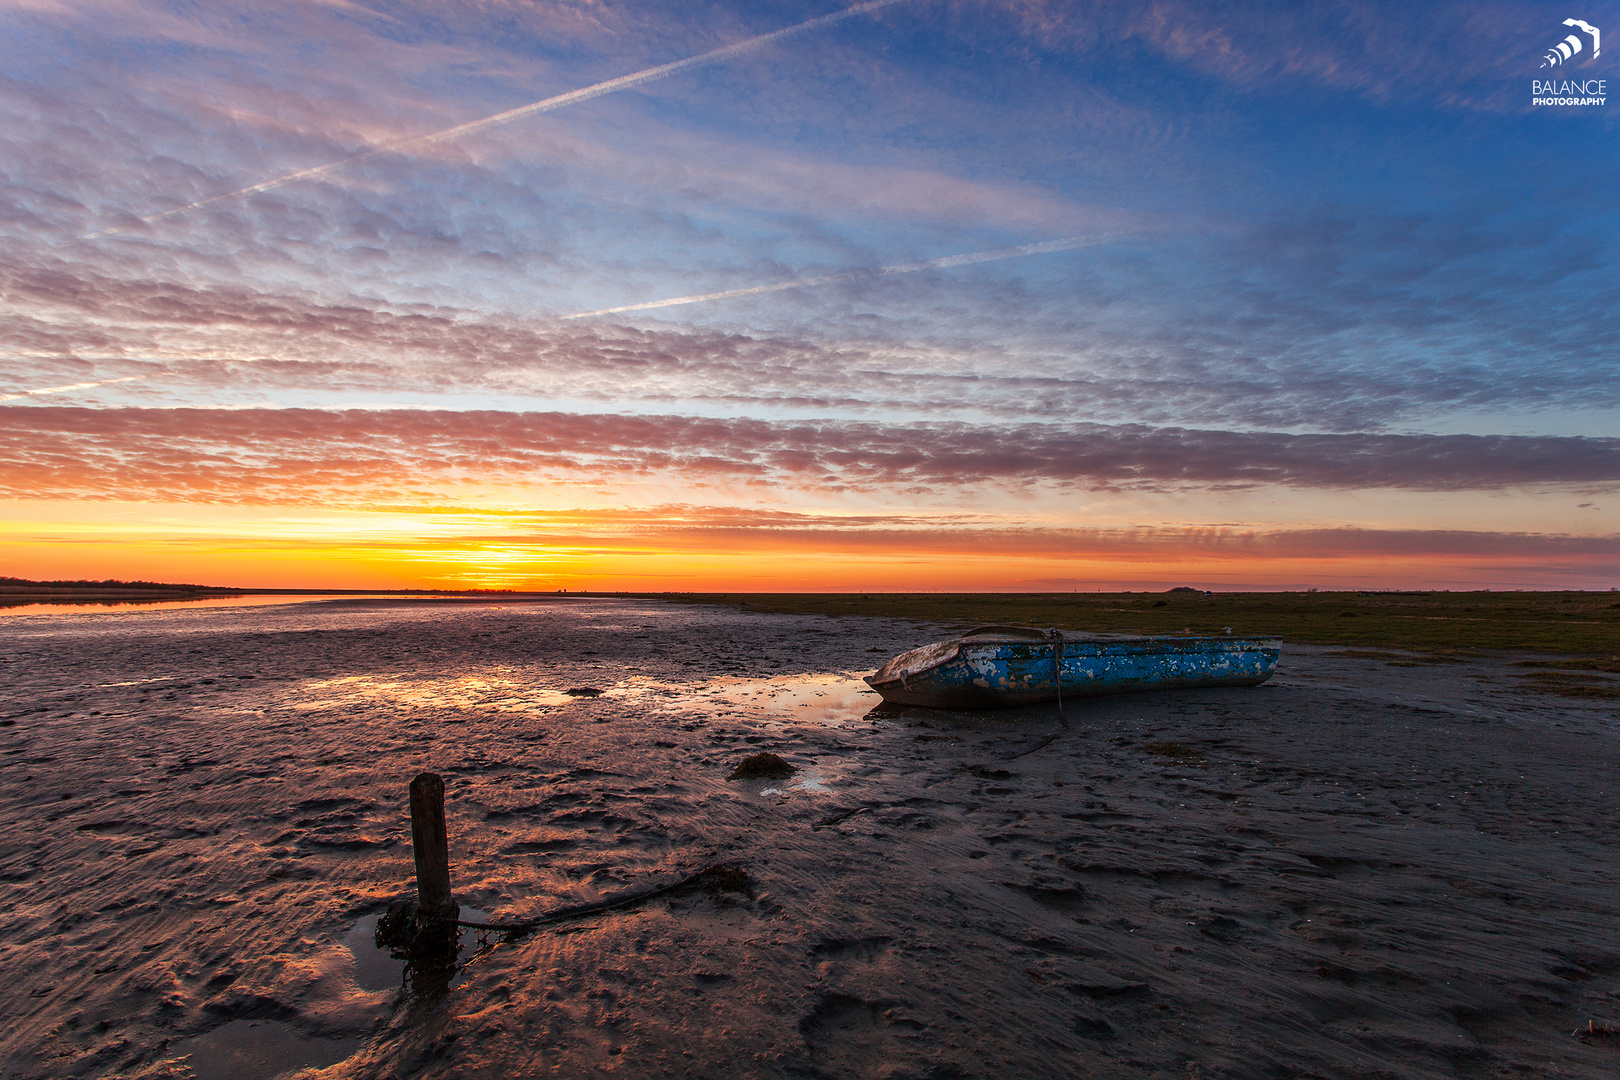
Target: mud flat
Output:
{"points": [[1377, 865]]}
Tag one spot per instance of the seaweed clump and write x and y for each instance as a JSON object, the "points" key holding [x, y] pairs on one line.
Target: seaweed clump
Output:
{"points": [[762, 767]]}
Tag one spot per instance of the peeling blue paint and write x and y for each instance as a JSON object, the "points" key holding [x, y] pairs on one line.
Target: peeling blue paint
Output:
{"points": [[978, 672]]}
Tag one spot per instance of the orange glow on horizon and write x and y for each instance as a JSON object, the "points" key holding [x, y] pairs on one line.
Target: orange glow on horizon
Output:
{"points": [[446, 552]]}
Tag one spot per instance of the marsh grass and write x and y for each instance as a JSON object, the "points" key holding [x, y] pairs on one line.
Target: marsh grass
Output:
{"points": [[1581, 678], [1609, 664], [1553, 682], [1444, 626]]}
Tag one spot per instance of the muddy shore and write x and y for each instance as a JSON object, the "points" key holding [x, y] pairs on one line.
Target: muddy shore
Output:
{"points": [[1372, 866]]}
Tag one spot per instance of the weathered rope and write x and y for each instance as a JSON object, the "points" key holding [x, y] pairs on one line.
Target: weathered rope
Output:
{"points": [[1057, 669], [1057, 639]]}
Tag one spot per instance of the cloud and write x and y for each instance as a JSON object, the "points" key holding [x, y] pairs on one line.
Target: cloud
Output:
{"points": [[72, 387], [1455, 52], [1275, 356], [507, 116], [697, 528], [1350, 272], [1311, 264], [366, 458]]}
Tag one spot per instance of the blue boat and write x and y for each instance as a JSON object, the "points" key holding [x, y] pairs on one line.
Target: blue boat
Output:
{"points": [[994, 667]]}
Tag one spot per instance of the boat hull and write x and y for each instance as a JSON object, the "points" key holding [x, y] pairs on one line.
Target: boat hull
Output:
{"points": [[979, 674]]}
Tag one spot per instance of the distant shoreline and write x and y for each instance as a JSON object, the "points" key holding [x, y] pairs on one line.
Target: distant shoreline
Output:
{"points": [[38, 597], [1436, 624], [23, 589]]}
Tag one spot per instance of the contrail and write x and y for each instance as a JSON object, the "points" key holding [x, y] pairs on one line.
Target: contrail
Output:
{"points": [[1042, 248], [80, 386], [623, 82]]}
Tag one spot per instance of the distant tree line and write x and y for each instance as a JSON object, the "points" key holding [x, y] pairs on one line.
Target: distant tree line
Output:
{"points": [[109, 583]]}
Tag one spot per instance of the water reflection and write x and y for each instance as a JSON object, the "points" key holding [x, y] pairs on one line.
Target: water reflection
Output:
{"points": [[806, 780], [499, 690], [110, 605], [378, 968], [824, 699], [827, 699], [260, 1050], [374, 968]]}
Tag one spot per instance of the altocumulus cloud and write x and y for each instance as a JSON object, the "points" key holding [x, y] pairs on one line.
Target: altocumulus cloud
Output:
{"points": [[74, 325], [359, 457]]}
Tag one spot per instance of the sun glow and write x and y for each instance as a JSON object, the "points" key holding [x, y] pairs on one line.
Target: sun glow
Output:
{"points": [[687, 548]]}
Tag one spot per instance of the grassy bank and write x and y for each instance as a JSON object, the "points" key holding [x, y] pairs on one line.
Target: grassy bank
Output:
{"points": [[1432, 622]]}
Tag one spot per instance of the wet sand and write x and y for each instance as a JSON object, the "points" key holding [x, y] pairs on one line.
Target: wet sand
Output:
{"points": [[1360, 869]]}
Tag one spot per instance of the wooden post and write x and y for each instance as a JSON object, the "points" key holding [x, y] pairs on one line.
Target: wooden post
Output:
{"points": [[431, 847]]}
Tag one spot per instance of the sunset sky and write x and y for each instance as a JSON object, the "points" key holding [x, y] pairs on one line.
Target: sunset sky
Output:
{"points": [[1019, 296]]}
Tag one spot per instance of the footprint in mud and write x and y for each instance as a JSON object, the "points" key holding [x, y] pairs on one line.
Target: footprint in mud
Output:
{"points": [[846, 1036]]}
